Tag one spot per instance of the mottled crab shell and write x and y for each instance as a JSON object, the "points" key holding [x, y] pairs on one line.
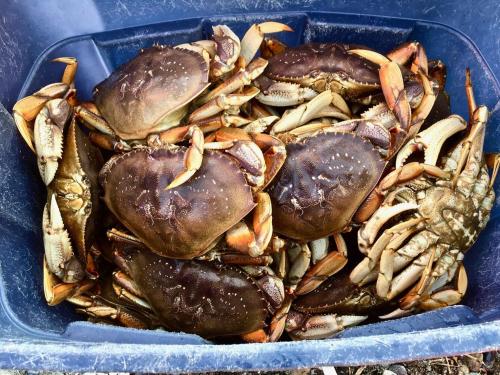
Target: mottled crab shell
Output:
{"points": [[76, 187], [324, 180], [307, 63], [206, 298], [184, 221], [145, 95]]}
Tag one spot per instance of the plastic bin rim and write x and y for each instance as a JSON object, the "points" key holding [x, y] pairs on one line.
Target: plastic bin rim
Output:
{"points": [[69, 356], [42, 57]]}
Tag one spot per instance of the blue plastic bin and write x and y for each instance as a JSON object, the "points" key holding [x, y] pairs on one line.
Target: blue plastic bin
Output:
{"points": [[102, 35]]}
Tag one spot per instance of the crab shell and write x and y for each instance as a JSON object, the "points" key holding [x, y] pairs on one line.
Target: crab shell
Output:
{"points": [[77, 188], [149, 93], [206, 298], [316, 64], [184, 221], [324, 180]]}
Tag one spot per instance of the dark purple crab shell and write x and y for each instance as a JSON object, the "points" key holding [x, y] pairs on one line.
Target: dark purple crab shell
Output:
{"points": [[206, 298], [324, 180], [317, 59], [136, 98], [184, 221]]}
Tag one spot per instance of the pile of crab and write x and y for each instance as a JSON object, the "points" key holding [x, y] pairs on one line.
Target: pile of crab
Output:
{"points": [[210, 191]]}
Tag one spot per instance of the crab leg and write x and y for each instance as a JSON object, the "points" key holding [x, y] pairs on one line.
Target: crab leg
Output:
{"points": [[101, 310], [56, 291], [221, 103], [394, 92], [27, 109], [108, 142], [254, 242], [48, 136], [192, 158], [70, 70], [447, 296], [472, 147], [303, 113], [326, 267], [301, 327], [61, 260], [237, 81], [284, 94], [413, 51], [271, 47], [254, 37], [260, 125], [431, 140], [300, 259], [228, 49]]}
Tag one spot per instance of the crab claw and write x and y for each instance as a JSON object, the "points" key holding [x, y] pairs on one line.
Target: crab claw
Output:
{"points": [[227, 51], [431, 140], [392, 84], [283, 94], [254, 37], [26, 109], [48, 136], [237, 81], [61, 260], [221, 103], [302, 327], [303, 113]]}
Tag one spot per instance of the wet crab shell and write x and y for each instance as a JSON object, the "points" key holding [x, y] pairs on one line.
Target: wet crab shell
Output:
{"points": [[324, 180], [146, 94], [184, 221], [77, 188], [206, 298], [306, 63]]}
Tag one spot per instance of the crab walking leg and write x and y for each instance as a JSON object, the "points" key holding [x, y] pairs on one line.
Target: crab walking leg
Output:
{"points": [[430, 275], [254, 37], [61, 260], [391, 238], [222, 103], [447, 296], [93, 120], [412, 52], [100, 309], [56, 291], [48, 137], [192, 158], [70, 70], [326, 267], [254, 242], [303, 113], [276, 327], [237, 80], [108, 142], [422, 111]]}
